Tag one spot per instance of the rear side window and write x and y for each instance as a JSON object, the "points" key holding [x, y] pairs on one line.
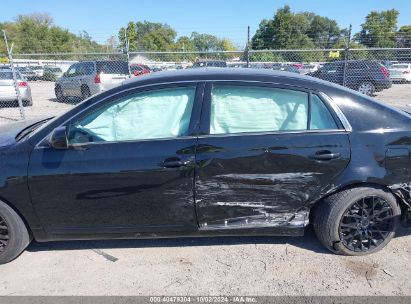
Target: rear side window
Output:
{"points": [[244, 109], [237, 109], [9, 75], [112, 67], [321, 118]]}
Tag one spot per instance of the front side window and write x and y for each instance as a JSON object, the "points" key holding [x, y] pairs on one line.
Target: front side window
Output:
{"points": [[72, 70], [248, 109], [156, 114], [238, 109]]}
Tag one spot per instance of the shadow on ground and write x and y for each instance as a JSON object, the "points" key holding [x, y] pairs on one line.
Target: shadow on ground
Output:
{"points": [[308, 242]]}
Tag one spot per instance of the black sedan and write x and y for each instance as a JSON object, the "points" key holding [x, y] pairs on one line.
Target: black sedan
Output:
{"points": [[209, 152]]}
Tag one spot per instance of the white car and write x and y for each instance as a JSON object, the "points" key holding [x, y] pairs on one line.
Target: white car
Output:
{"points": [[38, 70], [400, 72]]}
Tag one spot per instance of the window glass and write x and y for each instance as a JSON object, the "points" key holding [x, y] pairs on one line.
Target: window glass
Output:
{"points": [[321, 118], [237, 109], [112, 67], [332, 68], [72, 70], [147, 115]]}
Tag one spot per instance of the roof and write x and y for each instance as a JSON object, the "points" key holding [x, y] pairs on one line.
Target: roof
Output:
{"points": [[204, 74]]}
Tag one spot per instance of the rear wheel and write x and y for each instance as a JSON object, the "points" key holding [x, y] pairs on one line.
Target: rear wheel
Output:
{"points": [[366, 88], [357, 221], [14, 237]]}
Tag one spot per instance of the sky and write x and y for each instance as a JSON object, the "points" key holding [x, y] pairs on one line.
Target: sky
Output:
{"points": [[223, 18]]}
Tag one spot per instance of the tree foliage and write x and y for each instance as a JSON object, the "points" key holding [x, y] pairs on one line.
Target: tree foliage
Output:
{"points": [[149, 36], [379, 29], [36, 33], [288, 30], [404, 37]]}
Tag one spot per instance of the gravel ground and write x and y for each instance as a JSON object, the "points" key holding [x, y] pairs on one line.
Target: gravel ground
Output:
{"points": [[206, 266]]}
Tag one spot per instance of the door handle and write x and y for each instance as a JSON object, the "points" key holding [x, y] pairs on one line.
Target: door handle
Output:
{"points": [[325, 155], [175, 163]]}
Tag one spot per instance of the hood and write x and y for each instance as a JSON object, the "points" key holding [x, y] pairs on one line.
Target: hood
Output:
{"points": [[8, 132]]}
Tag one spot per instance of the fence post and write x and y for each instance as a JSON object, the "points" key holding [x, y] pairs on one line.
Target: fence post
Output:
{"points": [[247, 50], [13, 70], [347, 56]]}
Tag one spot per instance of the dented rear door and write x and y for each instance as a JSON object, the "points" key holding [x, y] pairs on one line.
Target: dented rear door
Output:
{"points": [[254, 179]]}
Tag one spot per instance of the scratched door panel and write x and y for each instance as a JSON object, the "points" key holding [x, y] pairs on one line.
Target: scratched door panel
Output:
{"points": [[262, 180]]}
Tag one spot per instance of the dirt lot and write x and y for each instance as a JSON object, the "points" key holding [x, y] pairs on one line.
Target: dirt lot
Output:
{"points": [[209, 266]]}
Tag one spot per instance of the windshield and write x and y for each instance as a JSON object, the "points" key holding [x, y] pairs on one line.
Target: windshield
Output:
{"points": [[6, 75]]}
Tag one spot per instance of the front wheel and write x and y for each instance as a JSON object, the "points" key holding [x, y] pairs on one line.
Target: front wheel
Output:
{"points": [[357, 221], [14, 237], [59, 94]]}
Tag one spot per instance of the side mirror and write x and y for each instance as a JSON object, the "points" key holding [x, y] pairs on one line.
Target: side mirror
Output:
{"points": [[59, 139]]}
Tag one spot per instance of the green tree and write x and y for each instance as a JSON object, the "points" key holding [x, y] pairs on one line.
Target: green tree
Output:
{"points": [[323, 32], [288, 30], [147, 36], [36, 33], [285, 31], [379, 29], [404, 37]]}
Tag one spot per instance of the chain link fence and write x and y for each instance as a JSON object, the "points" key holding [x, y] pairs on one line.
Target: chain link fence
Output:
{"points": [[52, 83]]}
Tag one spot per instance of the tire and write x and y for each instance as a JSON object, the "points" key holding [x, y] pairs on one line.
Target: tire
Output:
{"points": [[14, 237], [341, 226], [366, 88], [59, 94], [85, 93], [27, 103]]}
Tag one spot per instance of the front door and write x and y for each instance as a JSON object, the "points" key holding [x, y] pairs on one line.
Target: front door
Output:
{"points": [[267, 152], [129, 168]]}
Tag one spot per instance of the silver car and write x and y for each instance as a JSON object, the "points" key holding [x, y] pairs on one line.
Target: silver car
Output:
{"points": [[8, 94], [87, 78]]}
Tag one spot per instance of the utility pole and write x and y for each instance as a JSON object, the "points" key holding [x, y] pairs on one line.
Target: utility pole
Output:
{"points": [[346, 55], [13, 70], [127, 42], [247, 50]]}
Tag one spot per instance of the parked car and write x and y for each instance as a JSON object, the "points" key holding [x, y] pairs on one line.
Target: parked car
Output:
{"points": [[87, 78], [400, 72], [38, 71], [308, 68], [210, 64], [208, 153], [52, 73], [365, 76], [8, 94], [27, 73], [139, 69]]}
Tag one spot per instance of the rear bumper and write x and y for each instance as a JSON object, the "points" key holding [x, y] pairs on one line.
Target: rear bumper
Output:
{"points": [[383, 85]]}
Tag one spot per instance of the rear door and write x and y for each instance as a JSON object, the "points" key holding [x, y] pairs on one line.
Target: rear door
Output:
{"points": [[266, 151]]}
